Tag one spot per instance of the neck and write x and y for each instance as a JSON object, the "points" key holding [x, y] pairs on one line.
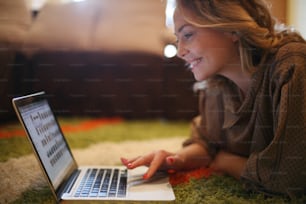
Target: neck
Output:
{"points": [[243, 82], [241, 79]]}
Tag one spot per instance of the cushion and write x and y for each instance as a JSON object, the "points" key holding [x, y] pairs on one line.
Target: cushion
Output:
{"points": [[95, 25], [137, 25], [62, 26]]}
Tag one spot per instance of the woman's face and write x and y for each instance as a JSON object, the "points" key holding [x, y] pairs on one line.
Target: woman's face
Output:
{"points": [[207, 51]]}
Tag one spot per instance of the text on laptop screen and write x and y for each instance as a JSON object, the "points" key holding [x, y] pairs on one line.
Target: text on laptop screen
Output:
{"points": [[47, 139]]}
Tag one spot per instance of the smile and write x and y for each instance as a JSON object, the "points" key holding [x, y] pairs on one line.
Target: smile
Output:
{"points": [[194, 63]]}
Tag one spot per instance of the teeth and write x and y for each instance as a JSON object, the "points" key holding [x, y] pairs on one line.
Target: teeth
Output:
{"points": [[194, 63]]}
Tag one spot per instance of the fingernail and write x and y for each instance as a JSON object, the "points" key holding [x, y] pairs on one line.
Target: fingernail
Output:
{"points": [[170, 160], [124, 160], [145, 176], [129, 165]]}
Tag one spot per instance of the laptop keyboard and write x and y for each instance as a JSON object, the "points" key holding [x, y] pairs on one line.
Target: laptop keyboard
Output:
{"points": [[103, 183]]}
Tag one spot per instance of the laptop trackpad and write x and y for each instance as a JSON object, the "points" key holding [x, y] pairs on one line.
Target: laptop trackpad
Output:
{"points": [[157, 187]]}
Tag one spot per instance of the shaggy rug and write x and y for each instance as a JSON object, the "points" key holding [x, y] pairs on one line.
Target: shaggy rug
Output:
{"points": [[103, 142]]}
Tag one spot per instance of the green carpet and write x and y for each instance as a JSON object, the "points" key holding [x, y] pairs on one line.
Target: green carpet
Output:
{"points": [[216, 189]]}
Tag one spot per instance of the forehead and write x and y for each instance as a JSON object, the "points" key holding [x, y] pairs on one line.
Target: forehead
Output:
{"points": [[179, 19], [180, 15]]}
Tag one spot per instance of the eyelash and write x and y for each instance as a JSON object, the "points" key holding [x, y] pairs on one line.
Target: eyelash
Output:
{"points": [[187, 35]]}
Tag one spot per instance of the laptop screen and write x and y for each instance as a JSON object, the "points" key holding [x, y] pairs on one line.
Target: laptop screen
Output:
{"points": [[47, 140]]}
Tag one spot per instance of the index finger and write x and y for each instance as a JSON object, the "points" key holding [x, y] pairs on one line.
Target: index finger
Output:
{"points": [[140, 161]]}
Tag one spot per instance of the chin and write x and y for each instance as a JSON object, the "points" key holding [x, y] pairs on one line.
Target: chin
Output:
{"points": [[200, 77]]}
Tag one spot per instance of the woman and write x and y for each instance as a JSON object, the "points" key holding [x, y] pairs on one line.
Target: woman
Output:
{"points": [[252, 96]]}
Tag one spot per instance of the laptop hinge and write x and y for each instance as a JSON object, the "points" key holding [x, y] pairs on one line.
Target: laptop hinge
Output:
{"points": [[70, 182]]}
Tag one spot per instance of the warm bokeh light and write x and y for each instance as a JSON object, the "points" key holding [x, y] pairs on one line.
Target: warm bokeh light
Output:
{"points": [[170, 51], [169, 13]]}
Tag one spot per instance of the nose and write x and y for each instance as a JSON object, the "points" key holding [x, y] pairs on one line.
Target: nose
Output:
{"points": [[181, 51]]}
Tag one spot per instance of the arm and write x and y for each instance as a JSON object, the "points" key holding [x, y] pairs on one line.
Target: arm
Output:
{"points": [[228, 163], [191, 157]]}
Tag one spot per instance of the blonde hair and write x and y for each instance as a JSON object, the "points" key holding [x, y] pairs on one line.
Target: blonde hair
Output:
{"points": [[250, 20]]}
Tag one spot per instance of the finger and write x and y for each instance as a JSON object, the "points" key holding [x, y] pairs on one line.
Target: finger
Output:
{"points": [[141, 161], [126, 161], [157, 161]]}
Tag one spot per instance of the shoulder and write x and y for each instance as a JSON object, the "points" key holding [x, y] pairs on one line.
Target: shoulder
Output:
{"points": [[287, 60], [289, 50]]}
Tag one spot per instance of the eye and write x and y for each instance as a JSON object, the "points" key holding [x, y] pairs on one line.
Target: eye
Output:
{"points": [[184, 37], [188, 35]]}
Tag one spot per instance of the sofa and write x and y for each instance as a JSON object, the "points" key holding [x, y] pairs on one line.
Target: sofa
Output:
{"points": [[93, 58]]}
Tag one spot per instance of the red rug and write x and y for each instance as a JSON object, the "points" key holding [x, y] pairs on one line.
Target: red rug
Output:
{"points": [[185, 176], [68, 128]]}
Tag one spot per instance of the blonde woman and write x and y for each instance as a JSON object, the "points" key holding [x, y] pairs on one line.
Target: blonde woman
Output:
{"points": [[252, 96]]}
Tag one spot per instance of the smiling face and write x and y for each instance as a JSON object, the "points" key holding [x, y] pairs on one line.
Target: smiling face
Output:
{"points": [[207, 51]]}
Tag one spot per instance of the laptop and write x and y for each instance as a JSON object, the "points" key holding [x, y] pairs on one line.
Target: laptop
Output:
{"points": [[70, 182]]}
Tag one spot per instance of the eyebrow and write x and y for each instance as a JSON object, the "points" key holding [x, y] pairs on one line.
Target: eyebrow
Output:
{"points": [[181, 28]]}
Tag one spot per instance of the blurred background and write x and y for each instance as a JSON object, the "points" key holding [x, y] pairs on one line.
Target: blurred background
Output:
{"points": [[102, 58], [287, 11]]}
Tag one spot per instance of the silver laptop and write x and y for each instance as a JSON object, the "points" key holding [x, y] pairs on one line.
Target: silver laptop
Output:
{"points": [[68, 181]]}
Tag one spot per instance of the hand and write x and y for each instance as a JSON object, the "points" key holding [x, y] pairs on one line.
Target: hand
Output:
{"points": [[228, 163], [157, 160], [190, 157]]}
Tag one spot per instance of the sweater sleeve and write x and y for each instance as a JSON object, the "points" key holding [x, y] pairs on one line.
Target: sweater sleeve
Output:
{"points": [[281, 166], [199, 128], [206, 128]]}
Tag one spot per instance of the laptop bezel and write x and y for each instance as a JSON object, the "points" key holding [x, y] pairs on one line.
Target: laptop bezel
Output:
{"points": [[36, 97]]}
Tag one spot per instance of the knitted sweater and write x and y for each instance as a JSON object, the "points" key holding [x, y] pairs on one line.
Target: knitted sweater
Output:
{"points": [[267, 125]]}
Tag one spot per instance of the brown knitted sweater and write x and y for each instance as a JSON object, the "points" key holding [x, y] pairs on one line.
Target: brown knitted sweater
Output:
{"points": [[267, 125]]}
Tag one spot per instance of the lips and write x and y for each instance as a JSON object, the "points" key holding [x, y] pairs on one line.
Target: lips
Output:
{"points": [[194, 63]]}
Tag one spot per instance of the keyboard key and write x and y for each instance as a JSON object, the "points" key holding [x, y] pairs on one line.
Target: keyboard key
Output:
{"points": [[103, 183]]}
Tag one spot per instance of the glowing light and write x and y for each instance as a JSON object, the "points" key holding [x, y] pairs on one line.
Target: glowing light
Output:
{"points": [[170, 51]]}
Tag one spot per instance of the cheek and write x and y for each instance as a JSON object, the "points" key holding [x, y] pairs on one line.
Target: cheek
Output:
{"points": [[214, 62], [225, 55], [217, 46]]}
